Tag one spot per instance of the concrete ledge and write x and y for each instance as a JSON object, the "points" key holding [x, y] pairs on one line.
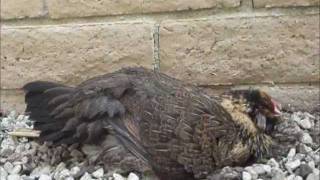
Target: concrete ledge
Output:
{"points": [[292, 97]]}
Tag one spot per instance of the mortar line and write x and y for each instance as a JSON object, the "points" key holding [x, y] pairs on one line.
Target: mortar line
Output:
{"points": [[156, 46]]}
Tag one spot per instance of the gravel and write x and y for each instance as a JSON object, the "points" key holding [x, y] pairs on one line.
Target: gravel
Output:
{"points": [[295, 155]]}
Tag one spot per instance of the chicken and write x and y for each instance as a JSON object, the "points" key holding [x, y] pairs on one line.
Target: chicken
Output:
{"points": [[146, 120]]}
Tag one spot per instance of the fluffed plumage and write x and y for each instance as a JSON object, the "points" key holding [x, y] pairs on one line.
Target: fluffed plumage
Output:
{"points": [[148, 120]]}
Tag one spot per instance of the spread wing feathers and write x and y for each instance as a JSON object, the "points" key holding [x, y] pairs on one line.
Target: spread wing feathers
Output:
{"points": [[68, 115]]}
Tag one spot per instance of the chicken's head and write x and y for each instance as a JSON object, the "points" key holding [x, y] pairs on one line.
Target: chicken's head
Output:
{"points": [[263, 110]]}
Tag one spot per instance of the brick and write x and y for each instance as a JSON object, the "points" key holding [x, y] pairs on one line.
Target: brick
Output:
{"points": [[241, 50], [12, 100], [18, 9], [284, 3], [169, 5], [86, 8], [72, 53]]}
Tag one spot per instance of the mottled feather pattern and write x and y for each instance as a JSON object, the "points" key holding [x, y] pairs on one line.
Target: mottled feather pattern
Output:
{"points": [[152, 120]]}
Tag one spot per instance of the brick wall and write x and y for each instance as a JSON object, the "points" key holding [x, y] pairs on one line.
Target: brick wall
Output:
{"points": [[216, 44]]}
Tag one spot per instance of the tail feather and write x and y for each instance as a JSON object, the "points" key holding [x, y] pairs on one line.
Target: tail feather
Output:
{"points": [[38, 96]]}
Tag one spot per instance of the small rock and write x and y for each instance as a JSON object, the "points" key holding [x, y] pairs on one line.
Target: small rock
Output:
{"points": [[313, 176], [16, 170], [8, 167], [306, 138], [277, 174], [74, 171], [246, 176], [45, 177], [75, 153], [304, 170], [304, 149], [291, 153], [291, 177], [305, 123], [133, 176], [252, 172], [292, 165], [98, 173], [64, 174], [14, 177], [299, 156], [3, 173], [41, 170], [86, 176], [298, 178], [6, 152], [273, 163], [117, 176], [312, 164]]}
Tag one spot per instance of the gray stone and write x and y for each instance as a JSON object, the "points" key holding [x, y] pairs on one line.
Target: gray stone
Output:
{"points": [[304, 170], [313, 176], [16, 170], [252, 172], [261, 168], [292, 165], [74, 170], [298, 178], [3, 173], [98, 173], [117, 176], [6, 152], [306, 138], [291, 153], [45, 177], [273, 163], [13, 177], [277, 174], [8, 167], [133, 176], [246, 175], [304, 149], [86, 176], [290, 177], [305, 123]]}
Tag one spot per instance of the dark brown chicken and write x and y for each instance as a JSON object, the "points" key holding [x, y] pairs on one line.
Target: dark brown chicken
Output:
{"points": [[148, 120]]}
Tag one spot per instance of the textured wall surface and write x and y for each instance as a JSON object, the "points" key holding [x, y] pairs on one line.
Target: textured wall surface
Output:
{"points": [[222, 44]]}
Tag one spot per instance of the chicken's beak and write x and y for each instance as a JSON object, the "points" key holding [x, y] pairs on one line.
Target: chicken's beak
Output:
{"points": [[276, 108]]}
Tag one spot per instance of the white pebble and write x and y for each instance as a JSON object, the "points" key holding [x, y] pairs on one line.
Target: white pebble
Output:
{"points": [[75, 170], [132, 176], [298, 178], [246, 176], [252, 172], [45, 177], [291, 153], [98, 173], [291, 177], [8, 167], [292, 165], [3, 173], [16, 170], [273, 163], [14, 177], [313, 176], [117, 176], [306, 138], [305, 123], [86, 176]]}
